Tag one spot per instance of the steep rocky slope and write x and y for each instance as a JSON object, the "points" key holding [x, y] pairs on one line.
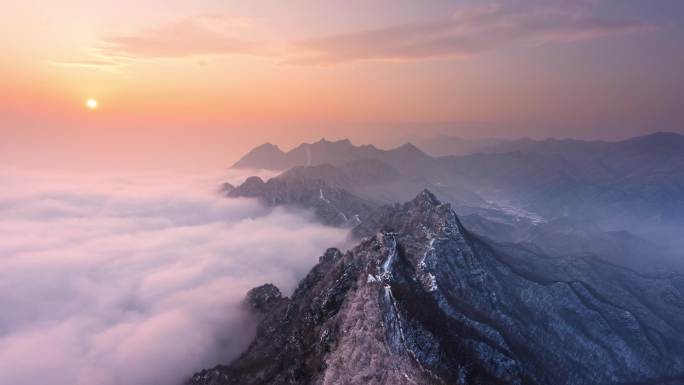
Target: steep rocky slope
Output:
{"points": [[420, 300], [331, 205]]}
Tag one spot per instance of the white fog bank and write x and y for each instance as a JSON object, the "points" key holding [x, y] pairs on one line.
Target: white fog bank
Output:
{"points": [[136, 279]]}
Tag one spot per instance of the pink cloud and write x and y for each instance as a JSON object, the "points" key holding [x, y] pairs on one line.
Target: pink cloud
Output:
{"points": [[136, 279], [464, 33], [192, 36]]}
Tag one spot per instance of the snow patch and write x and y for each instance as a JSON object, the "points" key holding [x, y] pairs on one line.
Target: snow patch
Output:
{"points": [[515, 211], [389, 240], [423, 265], [322, 196]]}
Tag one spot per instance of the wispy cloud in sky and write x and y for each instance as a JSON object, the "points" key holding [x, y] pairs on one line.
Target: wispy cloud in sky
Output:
{"points": [[464, 33], [190, 36], [187, 37], [104, 63]]}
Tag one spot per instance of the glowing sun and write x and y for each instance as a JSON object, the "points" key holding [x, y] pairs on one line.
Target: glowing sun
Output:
{"points": [[91, 103]]}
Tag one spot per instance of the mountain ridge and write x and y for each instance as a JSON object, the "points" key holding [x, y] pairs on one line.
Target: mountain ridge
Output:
{"points": [[638, 179], [297, 155], [421, 300], [359, 186], [268, 156]]}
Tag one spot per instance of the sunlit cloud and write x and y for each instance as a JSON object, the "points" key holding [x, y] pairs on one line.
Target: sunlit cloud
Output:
{"points": [[467, 32], [98, 64], [464, 33], [196, 36], [192, 36]]}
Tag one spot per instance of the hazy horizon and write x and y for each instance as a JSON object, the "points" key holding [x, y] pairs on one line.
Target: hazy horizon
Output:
{"points": [[199, 156], [235, 75]]}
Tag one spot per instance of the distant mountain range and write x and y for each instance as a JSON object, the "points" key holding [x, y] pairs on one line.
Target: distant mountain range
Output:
{"points": [[544, 277], [610, 182], [422, 300], [443, 145], [268, 156], [346, 195]]}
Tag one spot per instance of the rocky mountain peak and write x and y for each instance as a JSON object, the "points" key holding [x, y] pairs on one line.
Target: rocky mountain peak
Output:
{"points": [[341, 142], [425, 215], [226, 188], [267, 156], [267, 147], [254, 181], [263, 297], [426, 198], [330, 255], [251, 187], [422, 301], [331, 205], [409, 147]]}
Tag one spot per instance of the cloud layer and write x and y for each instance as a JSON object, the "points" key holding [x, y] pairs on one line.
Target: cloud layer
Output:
{"points": [[464, 33], [135, 280]]}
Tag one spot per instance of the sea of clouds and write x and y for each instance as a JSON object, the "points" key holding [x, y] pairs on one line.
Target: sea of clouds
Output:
{"points": [[136, 279]]}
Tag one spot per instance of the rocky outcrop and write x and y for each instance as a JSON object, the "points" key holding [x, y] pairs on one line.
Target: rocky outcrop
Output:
{"points": [[331, 205], [420, 300], [263, 298]]}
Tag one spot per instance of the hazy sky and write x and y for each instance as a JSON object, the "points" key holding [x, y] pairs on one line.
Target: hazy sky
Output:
{"points": [[196, 83]]}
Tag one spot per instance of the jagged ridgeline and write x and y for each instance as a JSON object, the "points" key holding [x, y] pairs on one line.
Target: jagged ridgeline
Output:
{"points": [[638, 179], [420, 300]]}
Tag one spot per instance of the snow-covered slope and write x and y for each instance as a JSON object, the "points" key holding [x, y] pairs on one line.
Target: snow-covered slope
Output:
{"points": [[420, 300]]}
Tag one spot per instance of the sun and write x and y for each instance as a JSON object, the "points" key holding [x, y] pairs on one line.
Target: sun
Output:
{"points": [[91, 103]]}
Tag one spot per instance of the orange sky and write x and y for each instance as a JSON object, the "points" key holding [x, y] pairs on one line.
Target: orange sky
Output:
{"points": [[200, 82]]}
